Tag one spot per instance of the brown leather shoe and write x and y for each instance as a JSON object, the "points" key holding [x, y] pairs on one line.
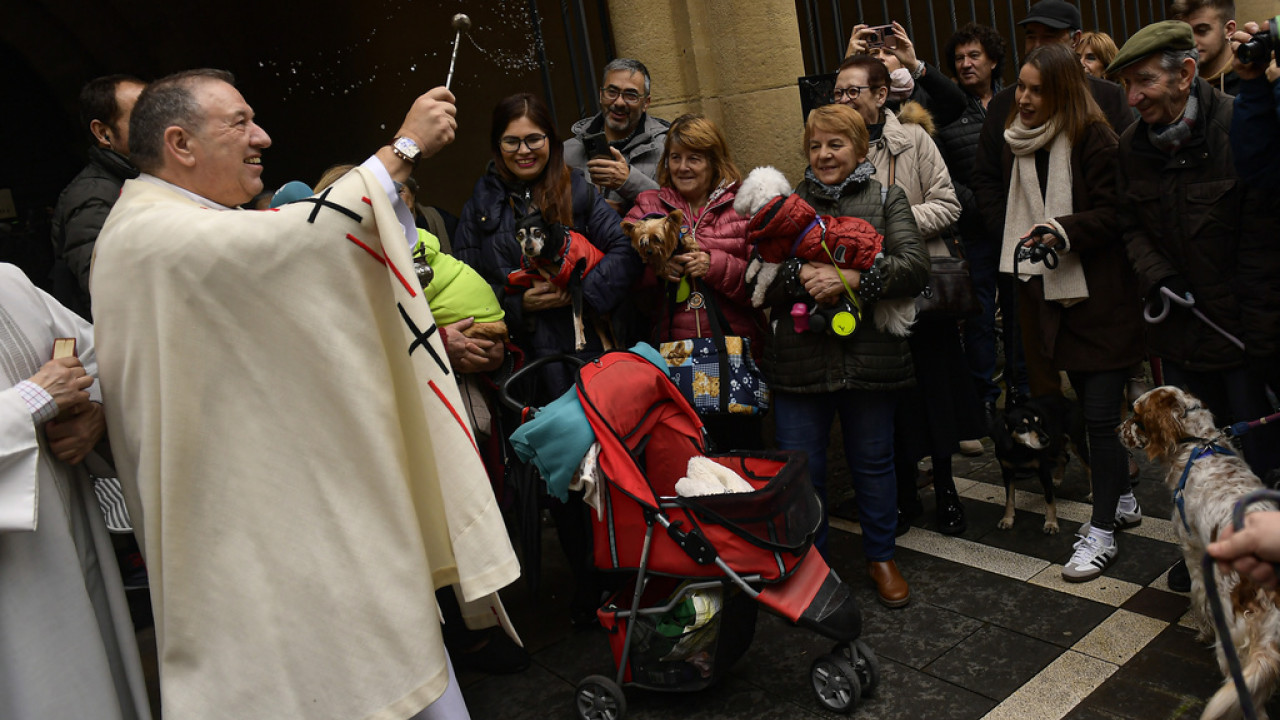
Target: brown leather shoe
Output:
{"points": [[890, 586]]}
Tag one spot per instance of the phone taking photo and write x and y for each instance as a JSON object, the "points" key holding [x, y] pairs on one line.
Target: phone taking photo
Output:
{"points": [[884, 37], [597, 146]]}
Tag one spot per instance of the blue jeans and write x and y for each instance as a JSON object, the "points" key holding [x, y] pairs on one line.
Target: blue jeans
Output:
{"points": [[980, 330], [1101, 396], [1235, 396], [866, 422]]}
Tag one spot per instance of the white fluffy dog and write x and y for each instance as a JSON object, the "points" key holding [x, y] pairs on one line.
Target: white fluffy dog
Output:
{"points": [[763, 184]]}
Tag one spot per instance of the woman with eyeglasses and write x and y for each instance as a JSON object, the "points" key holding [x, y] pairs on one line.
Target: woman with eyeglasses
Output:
{"points": [[528, 178], [817, 375], [942, 409], [697, 176], [1082, 313]]}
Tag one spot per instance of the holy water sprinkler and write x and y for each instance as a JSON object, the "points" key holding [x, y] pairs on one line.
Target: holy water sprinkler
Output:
{"points": [[461, 24]]}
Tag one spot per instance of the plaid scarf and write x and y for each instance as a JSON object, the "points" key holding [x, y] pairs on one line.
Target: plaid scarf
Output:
{"points": [[1170, 138]]}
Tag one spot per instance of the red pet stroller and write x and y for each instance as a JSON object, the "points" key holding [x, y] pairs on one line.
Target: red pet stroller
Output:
{"points": [[688, 613]]}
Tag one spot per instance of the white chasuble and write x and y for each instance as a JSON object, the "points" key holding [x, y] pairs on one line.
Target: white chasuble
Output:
{"points": [[293, 450]]}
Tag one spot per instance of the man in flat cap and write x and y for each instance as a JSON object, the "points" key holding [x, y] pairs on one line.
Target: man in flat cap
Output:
{"points": [[1197, 235], [1047, 22]]}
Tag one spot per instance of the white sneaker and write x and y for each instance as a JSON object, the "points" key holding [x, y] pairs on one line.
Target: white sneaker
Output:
{"points": [[1124, 521], [1091, 557], [971, 448]]}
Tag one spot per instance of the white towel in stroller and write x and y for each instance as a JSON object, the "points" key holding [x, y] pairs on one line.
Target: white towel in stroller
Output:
{"points": [[705, 476]]}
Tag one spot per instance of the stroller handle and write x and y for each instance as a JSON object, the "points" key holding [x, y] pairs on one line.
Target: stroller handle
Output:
{"points": [[504, 391]]}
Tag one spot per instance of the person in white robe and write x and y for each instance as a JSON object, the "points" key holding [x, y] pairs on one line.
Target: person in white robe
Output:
{"points": [[67, 644], [286, 424]]}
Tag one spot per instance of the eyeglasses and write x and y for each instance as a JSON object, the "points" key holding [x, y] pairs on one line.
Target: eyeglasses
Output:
{"points": [[611, 93], [852, 92], [533, 142]]}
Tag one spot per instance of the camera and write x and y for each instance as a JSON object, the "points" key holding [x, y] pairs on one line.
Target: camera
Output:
{"points": [[1258, 50], [884, 37]]}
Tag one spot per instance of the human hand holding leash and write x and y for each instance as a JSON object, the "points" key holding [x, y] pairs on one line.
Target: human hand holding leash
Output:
{"points": [[823, 283], [1252, 551], [695, 264]]}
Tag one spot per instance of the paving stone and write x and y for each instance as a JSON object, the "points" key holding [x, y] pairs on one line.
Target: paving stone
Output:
{"points": [[1160, 604], [994, 662]]}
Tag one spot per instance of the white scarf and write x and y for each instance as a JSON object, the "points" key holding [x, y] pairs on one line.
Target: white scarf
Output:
{"points": [[1027, 207]]}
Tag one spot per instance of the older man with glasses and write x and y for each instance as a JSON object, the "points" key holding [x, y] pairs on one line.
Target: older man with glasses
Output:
{"points": [[619, 147]]}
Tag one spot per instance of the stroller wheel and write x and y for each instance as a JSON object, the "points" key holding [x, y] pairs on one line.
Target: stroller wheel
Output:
{"points": [[835, 682], [864, 662], [600, 698]]}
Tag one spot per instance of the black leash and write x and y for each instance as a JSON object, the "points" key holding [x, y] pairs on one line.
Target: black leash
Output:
{"points": [[1038, 252]]}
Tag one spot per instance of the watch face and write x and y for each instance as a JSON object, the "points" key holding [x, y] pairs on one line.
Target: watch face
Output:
{"points": [[408, 147]]}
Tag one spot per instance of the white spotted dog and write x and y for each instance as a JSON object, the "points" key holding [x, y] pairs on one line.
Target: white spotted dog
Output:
{"points": [[1207, 476]]}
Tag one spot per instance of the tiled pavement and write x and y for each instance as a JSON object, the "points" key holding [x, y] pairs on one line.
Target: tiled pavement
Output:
{"points": [[992, 630]]}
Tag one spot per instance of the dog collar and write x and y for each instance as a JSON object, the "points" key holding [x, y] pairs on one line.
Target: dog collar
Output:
{"points": [[1206, 448]]}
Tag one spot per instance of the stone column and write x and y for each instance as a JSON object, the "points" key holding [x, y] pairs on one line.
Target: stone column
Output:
{"points": [[1256, 10], [735, 61]]}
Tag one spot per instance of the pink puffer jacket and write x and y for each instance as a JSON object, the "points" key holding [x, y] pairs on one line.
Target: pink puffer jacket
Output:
{"points": [[722, 233]]}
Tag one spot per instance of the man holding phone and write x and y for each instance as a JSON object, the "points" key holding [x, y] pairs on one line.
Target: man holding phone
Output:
{"points": [[619, 147]]}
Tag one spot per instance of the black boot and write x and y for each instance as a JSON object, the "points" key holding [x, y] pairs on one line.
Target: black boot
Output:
{"points": [[950, 513]]}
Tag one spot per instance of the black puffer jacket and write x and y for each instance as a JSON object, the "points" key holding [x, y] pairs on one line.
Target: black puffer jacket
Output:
{"points": [[812, 362], [1188, 214], [486, 241], [82, 209]]}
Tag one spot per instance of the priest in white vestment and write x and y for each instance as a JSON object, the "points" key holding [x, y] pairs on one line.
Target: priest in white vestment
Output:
{"points": [[286, 424], [67, 646]]}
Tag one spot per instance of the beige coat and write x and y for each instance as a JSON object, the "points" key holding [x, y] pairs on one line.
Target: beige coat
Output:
{"points": [[918, 168], [292, 452]]}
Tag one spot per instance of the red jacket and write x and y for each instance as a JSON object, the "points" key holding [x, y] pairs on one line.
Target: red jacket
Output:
{"points": [[722, 233], [787, 226], [577, 249]]}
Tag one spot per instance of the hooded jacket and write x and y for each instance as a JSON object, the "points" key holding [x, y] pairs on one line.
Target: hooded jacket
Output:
{"points": [[918, 168], [642, 152]]}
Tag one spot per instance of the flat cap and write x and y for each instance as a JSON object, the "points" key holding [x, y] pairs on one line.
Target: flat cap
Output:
{"points": [[1057, 14], [1154, 38]]}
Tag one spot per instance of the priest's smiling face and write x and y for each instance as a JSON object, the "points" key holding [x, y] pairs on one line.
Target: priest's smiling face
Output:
{"points": [[227, 147]]}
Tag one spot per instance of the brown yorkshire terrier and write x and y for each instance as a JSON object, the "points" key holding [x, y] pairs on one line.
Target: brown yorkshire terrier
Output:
{"points": [[657, 238]]}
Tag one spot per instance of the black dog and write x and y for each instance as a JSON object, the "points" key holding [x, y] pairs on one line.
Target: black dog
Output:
{"points": [[1033, 437], [560, 256]]}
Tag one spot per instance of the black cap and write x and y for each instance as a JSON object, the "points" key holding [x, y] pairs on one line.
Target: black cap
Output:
{"points": [[1057, 14]]}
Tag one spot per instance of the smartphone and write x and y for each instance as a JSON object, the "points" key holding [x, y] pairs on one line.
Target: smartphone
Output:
{"points": [[597, 146], [883, 37]]}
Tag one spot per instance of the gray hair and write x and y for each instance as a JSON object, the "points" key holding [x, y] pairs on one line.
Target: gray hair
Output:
{"points": [[631, 66], [164, 103], [1171, 60]]}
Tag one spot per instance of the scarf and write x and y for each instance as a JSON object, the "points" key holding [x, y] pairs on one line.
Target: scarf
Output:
{"points": [[1027, 207], [1170, 138], [862, 173]]}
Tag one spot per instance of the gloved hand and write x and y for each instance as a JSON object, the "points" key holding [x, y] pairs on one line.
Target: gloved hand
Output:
{"points": [[1177, 285]]}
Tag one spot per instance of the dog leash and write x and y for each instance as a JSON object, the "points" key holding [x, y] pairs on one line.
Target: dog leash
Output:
{"points": [[1215, 603], [1240, 428], [1169, 298]]}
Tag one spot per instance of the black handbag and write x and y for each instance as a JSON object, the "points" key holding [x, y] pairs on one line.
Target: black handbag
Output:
{"points": [[950, 290]]}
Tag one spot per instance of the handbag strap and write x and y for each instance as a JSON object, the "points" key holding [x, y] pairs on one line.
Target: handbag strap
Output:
{"points": [[718, 323]]}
